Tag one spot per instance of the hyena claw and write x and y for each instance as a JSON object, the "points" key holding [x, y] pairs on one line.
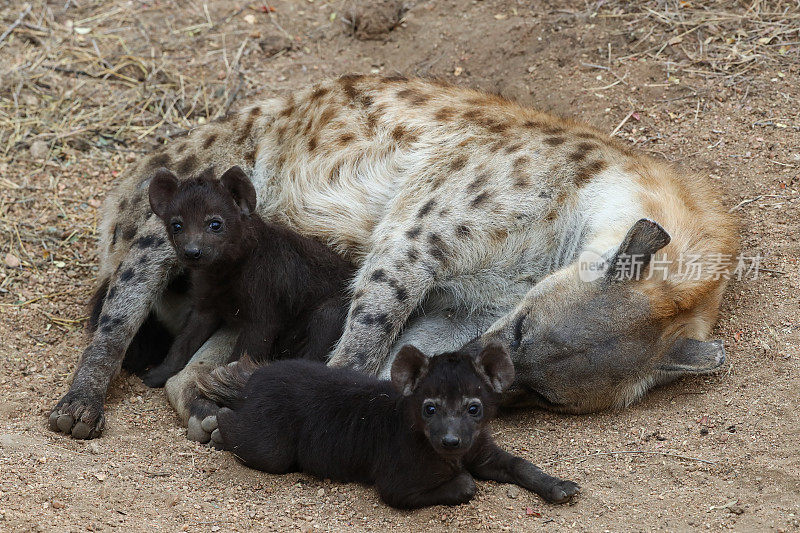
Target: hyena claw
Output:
{"points": [[563, 491]]}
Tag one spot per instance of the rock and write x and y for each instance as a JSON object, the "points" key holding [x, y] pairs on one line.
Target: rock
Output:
{"points": [[57, 504], [321, 493], [513, 491], [39, 149], [735, 509], [373, 20]]}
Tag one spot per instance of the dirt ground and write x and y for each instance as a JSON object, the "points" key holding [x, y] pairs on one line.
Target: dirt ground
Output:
{"points": [[712, 86]]}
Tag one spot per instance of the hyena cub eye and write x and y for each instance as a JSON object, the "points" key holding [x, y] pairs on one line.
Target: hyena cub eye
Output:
{"points": [[176, 226], [215, 225], [428, 408], [475, 408]]}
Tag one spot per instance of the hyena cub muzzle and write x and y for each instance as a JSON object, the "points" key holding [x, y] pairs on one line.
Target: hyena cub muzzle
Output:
{"points": [[284, 293], [420, 438]]}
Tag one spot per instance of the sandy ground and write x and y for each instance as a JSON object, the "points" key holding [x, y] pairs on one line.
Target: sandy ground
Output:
{"points": [[713, 452]]}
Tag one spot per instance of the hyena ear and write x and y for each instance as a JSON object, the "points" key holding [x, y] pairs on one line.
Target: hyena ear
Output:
{"points": [[163, 187], [645, 238], [690, 355], [241, 188], [494, 365], [409, 367]]}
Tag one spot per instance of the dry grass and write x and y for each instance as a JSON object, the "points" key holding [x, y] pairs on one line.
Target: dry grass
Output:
{"points": [[714, 37], [97, 76]]}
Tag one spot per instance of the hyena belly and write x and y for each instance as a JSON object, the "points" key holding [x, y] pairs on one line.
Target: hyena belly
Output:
{"points": [[442, 196]]}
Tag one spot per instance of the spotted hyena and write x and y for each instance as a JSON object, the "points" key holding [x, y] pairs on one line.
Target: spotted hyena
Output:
{"points": [[467, 215]]}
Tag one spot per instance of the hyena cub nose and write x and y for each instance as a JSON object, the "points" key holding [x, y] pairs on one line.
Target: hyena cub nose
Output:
{"points": [[192, 252]]}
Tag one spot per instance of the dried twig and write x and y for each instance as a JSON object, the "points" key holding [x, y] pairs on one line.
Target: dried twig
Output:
{"points": [[16, 22], [622, 123]]}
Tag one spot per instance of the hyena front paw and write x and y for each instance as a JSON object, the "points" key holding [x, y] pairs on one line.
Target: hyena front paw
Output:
{"points": [[562, 491], [79, 415]]}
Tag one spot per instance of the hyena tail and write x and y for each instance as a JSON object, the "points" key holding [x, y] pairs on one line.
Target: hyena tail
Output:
{"points": [[224, 385]]}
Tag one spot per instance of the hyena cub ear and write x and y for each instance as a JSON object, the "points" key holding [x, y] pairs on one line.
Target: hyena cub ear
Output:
{"points": [[241, 188], [644, 239], [409, 367], [162, 190], [494, 365]]}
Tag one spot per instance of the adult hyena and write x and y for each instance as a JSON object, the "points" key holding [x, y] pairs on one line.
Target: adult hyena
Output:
{"points": [[465, 213]]}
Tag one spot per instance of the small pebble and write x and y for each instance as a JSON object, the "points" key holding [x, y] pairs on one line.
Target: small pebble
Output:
{"points": [[513, 491], [39, 149], [12, 261]]}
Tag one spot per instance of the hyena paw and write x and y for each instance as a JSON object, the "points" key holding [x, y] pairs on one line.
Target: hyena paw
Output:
{"points": [[79, 415], [156, 377], [202, 420], [562, 491]]}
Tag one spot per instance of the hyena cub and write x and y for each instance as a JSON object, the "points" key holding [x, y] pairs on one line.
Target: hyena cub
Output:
{"points": [[286, 294], [419, 437]]}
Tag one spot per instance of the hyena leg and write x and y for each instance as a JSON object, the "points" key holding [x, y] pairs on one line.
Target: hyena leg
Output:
{"points": [[388, 288], [182, 391], [141, 277], [495, 464]]}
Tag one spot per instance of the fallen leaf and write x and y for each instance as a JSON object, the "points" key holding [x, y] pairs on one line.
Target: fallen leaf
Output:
{"points": [[723, 506]]}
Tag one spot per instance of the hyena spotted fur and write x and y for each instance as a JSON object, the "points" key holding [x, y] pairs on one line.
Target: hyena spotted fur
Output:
{"points": [[466, 214]]}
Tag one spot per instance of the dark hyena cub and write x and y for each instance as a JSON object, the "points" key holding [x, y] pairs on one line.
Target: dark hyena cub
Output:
{"points": [[419, 437], [285, 293]]}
